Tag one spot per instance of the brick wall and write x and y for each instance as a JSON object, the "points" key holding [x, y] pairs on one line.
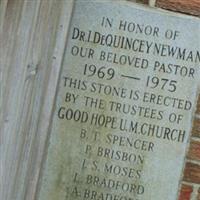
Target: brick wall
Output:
{"points": [[190, 185], [185, 6]]}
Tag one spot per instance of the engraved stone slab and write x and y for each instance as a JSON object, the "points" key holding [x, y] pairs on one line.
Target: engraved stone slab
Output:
{"points": [[123, 112]]}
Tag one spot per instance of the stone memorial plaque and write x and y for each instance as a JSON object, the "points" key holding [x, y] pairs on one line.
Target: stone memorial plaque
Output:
{"points": [[124, 107]]}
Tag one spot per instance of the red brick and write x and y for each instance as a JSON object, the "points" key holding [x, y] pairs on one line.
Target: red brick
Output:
{"points": [[185, 6], [196, 128], [192, 173], [185, 192], [194, 151]]}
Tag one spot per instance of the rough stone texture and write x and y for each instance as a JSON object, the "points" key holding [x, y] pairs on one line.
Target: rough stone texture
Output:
{"points": [[194, 150], [185, 6], [192, 173], [32, 39], [185, 192]]}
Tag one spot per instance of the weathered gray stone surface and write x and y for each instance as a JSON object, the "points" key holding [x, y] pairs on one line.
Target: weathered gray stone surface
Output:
{"points": [[32, 41], [124, 105]]}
